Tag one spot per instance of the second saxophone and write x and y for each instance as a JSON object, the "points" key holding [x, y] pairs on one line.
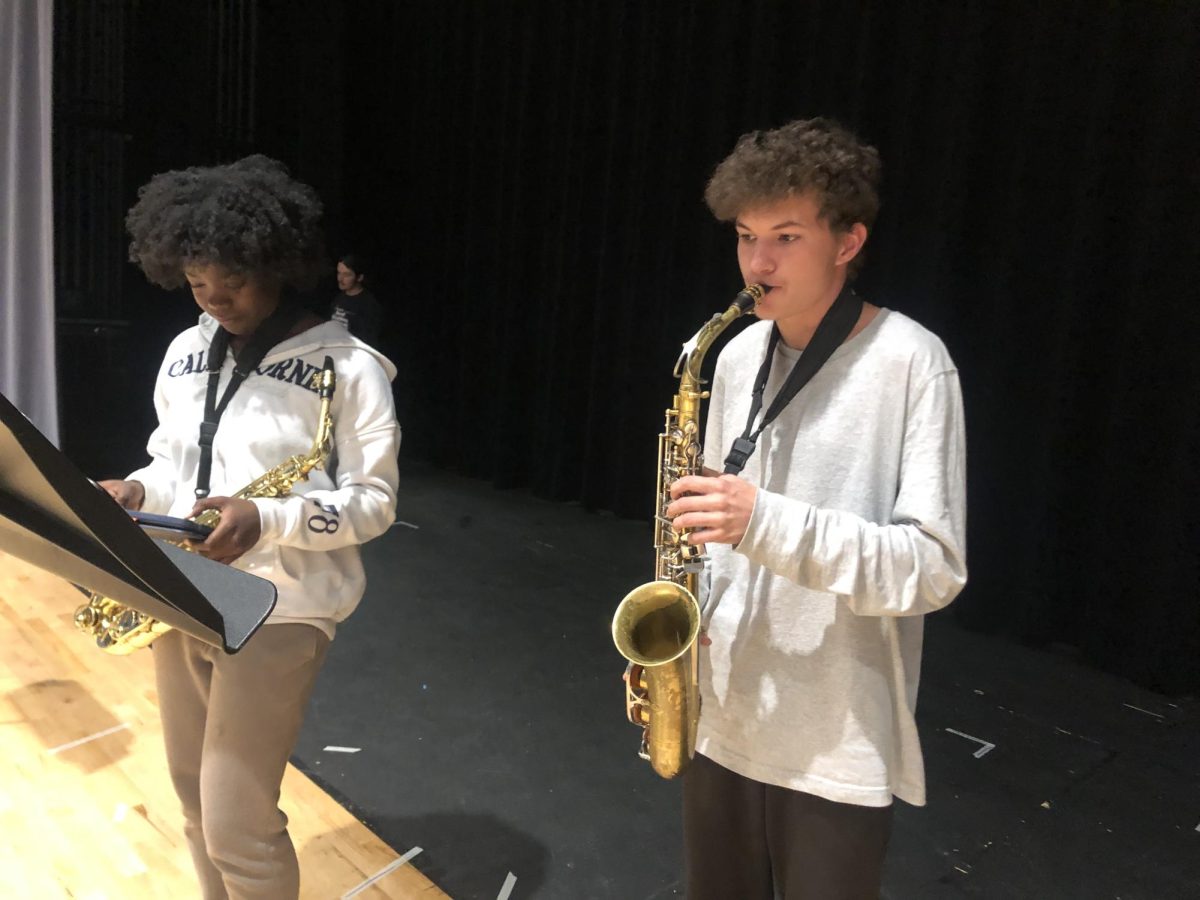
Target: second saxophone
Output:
{"points": [[656, 625]]}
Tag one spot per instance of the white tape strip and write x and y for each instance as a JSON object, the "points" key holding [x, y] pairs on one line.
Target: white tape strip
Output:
{"points": [[405, 524], [507, 887], [385, 871], [91, 737], [332, 749], [987, 745], [1146, 711]]}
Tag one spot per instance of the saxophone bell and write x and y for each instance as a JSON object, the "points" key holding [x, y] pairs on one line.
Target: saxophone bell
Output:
{"points": [[655, 629]]}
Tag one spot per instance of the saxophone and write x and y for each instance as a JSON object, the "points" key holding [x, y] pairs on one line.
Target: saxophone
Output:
{"points": [[119, 629], [656, 625]]}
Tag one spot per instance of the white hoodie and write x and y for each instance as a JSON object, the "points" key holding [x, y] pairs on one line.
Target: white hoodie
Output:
{"points": [[309, 542]]}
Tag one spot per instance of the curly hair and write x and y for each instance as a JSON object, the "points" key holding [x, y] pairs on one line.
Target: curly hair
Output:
{"points": [[249, 216], [817, 155]]}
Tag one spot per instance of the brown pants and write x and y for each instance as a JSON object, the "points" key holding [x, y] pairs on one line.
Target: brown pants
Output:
{"points": [[753, 841], [230, 722]]}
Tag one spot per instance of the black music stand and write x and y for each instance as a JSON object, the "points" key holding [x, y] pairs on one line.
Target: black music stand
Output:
{"points": [[54, 518]]}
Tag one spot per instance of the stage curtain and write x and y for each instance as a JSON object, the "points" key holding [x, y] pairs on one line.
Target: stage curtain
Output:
{"points": [[27, 344], [532, 176]]}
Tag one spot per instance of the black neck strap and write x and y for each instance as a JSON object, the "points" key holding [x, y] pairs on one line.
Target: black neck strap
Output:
{"points": [[835, 326], [272, 330]]}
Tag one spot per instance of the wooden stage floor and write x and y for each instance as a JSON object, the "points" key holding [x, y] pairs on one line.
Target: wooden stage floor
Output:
{"points": [[86, 806]]}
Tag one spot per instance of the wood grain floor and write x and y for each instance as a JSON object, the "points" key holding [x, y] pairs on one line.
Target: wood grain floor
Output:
{"points": [[86, 806]]}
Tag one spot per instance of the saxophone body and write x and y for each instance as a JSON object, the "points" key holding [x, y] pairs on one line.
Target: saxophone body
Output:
{"points": [[120, 629], [656, 625]]}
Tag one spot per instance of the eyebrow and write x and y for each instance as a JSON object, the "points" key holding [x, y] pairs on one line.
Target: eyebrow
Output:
{"points": [[790, 223]]}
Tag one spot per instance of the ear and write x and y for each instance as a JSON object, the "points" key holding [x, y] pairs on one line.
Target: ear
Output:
{"points": [[851, 243]]}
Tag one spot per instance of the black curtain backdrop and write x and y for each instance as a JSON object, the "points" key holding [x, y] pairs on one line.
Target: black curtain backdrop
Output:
{"points": [[529, 178], [141, 88]]}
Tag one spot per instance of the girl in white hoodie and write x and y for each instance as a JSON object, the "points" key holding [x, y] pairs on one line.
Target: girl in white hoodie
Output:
{"points": [[240, 236]]}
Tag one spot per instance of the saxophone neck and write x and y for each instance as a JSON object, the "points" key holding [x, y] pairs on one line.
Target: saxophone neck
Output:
{"points": [[687, 368], [322, 445], [323, 442], [278, 481]]}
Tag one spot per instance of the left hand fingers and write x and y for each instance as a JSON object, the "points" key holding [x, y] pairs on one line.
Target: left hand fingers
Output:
{"points": [[217, 503], [693, 484], [696, 520], [701, 536], [720, 515], [238, 530], [222, 550], [718, 501]]}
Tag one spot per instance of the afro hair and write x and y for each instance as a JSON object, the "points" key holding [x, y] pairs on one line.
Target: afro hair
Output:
{"points": [[249, 216]]}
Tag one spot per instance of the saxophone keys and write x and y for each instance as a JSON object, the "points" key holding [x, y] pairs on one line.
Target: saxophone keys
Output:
{"points": [[637, 704]]}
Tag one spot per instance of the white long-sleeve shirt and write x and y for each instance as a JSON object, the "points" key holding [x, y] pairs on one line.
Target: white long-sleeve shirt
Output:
{"points": [[309, 542], [858, 529]]}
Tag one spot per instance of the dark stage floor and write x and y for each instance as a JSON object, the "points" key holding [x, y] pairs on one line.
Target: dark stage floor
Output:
{"points": [[479, 681]]}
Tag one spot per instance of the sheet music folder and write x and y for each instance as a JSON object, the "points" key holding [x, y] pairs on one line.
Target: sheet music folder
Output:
{"points": [[54, 518]]}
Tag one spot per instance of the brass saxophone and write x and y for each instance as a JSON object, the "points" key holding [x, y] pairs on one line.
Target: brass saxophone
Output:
{"points": [[119, 629], [656, 625]]}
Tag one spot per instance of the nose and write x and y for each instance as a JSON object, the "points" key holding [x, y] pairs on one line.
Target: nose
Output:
{"points": [[762, 261], [215, 299]]}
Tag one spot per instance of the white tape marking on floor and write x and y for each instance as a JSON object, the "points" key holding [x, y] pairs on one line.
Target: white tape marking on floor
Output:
{"points": [[334, 749], [91, 737], [386, 870], [507, 887], [1146, 711], [987, 745], [405, 524]]}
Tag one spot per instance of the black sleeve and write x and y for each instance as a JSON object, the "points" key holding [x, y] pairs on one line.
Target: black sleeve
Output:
{"points": [[370, 320]]}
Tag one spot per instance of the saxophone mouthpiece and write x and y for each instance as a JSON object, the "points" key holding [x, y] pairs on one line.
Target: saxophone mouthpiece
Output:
{"points": [[328, 379], [748, 297]]}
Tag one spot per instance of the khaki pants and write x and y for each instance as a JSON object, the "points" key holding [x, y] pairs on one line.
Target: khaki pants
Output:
{"points": [[756, 841], [229, 723]]}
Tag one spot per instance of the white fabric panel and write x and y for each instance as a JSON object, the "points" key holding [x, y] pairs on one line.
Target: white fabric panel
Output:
{"points": [[27, 375]]}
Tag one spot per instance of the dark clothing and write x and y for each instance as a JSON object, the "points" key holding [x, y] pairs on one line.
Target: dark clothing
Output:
{"points": [[361, 314], [757, 841]]}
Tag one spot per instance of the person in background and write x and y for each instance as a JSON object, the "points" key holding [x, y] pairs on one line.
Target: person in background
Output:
{"points": [[245, 239], [355, 306], [838, 523]]}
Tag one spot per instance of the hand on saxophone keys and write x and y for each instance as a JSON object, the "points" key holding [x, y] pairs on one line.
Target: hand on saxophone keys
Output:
{"points": [[239, 529], [716, 509]]}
